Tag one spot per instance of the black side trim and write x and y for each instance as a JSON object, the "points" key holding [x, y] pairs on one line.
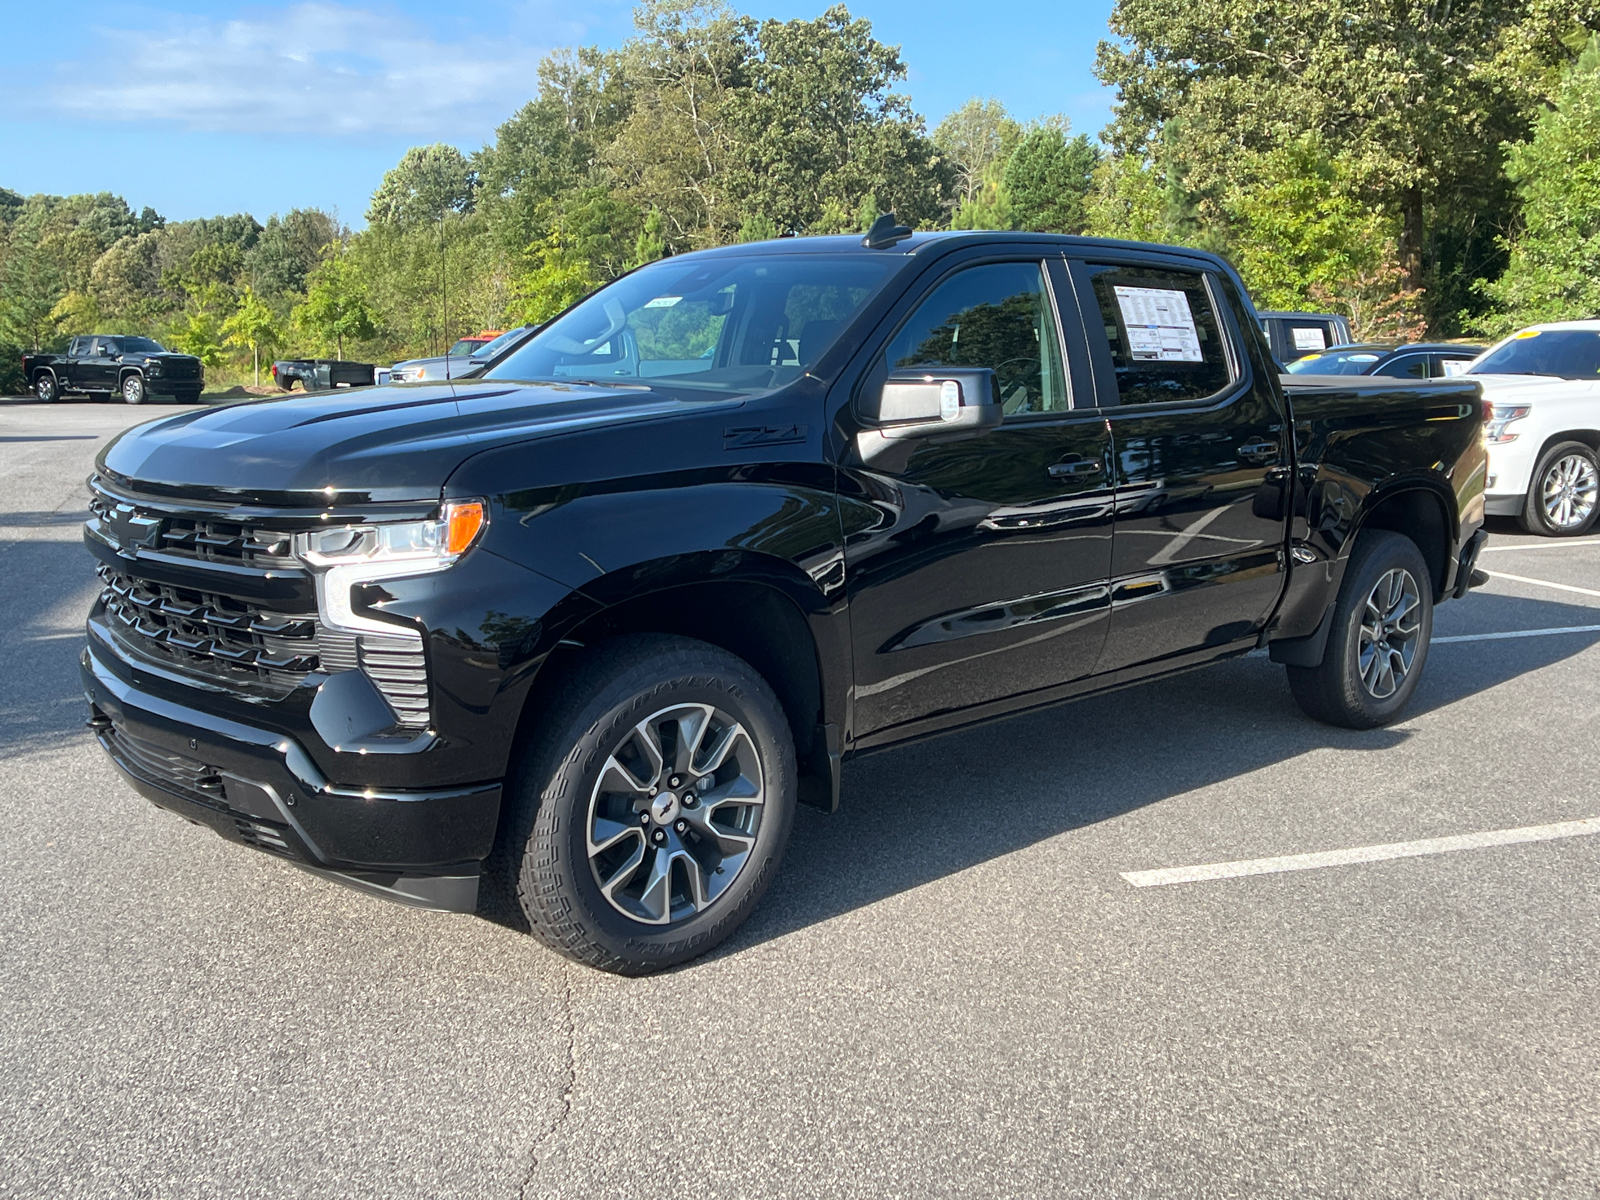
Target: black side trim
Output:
{"points": [[819, 780]]}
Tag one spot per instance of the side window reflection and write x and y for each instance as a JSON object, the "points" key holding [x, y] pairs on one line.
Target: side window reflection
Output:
{"points": [[995, 316]]}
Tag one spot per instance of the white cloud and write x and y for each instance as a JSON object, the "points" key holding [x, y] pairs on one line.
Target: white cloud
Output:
{"points": [[310, 69]]}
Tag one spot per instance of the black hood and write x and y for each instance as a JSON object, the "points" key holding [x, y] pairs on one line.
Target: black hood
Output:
{"points": [[390, 443]]}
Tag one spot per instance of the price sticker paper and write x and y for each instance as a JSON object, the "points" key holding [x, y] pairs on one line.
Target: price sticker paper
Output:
{"points": [[1159, 324]]}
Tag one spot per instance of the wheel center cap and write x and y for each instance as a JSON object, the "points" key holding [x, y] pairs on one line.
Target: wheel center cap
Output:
{"points": [[664, 808]]}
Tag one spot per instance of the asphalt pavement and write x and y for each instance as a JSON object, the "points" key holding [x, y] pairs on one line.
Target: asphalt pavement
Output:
{"points": [[951, 990]]}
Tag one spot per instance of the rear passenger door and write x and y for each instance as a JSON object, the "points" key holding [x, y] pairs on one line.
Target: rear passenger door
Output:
{"points": [[1201, 457]]}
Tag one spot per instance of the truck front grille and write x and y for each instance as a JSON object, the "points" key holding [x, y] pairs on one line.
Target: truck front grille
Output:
{"points": [[206, 628], [217, 635]]}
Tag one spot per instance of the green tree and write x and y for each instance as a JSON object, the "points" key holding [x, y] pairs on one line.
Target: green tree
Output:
{"points": [[254, 325], [336, 306], [1554, 268], [990, 207], [973, 138], [651, 244], [1048, 178], [199, 330], [1126, 200], [288, 249], [816, 130], [1418, 96]]}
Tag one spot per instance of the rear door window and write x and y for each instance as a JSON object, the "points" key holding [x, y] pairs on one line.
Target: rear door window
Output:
{"points": [[1162, 331]]}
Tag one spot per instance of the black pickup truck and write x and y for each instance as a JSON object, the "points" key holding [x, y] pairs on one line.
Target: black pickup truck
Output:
{"points": [[322, 374], [568, 642], [134, 368]]}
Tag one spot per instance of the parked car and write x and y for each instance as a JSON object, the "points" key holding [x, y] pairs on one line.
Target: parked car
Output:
{"points": [[322, 374], [569, 643], [460, 363], [105, 365], [1544, 433], [1295, 334], [1419, 360]]}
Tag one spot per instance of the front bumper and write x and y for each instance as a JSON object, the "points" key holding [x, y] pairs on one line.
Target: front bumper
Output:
{"points": [[260, 788]]}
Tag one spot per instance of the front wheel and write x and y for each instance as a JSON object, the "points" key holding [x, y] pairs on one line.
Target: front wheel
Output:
{"points": [[1382, 625], [1562, 498], [651, 809], [45, 388], [133, 391]]}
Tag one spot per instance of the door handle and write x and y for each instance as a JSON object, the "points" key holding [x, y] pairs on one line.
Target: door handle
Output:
{"points": [[1258, 451], [1076, 466]]}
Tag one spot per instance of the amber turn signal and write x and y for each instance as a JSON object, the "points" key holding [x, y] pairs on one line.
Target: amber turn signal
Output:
{"points": [[464, 520]]}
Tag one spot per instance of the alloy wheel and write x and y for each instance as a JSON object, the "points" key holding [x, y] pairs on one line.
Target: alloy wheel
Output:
{"points": [[674, 815], [1390, 632], [133, 389], [1568, 491]]}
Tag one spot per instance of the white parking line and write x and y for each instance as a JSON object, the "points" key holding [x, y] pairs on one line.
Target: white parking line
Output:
{"points": [[1364, 854], [1514, 633], [1555, 545], [1560, 587]]}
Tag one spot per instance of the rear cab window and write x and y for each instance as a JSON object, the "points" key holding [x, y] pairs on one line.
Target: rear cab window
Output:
{"points": [[1161, 331]]}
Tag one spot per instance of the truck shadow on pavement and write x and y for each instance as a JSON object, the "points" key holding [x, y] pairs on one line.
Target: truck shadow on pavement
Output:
{"points": [[914, 815]]}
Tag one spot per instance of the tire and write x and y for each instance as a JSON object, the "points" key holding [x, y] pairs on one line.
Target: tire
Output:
{"points": [[46, 388], [603, 900], [133, 389], [1563, 493], [1359, 685]]}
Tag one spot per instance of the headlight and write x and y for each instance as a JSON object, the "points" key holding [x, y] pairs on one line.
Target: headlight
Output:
{"points": [[346, 555], [1501, 415], [152, 366]]}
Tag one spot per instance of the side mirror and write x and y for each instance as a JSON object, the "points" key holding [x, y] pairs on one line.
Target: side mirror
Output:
{"points": [[936, 400], [929, 402]]}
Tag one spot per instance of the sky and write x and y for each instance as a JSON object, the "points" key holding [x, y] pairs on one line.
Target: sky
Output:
{"points": [[197, 109]]}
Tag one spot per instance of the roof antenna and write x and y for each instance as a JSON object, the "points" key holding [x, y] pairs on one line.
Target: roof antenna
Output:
{"points": [[885, 232]]}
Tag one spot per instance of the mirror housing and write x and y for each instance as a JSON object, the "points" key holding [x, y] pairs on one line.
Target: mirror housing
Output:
{"points": [[935, 400], [929, 402]]}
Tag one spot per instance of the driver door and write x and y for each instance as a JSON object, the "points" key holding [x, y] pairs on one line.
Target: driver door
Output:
{"points": [[977, 566]]}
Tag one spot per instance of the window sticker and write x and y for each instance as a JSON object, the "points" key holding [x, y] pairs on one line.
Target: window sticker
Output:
{"points": [[1454, 366], [1363, 358], [1160, 325], [1310, 339], [663, 302]]}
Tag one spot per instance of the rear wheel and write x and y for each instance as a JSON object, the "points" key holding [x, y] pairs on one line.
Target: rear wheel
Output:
{"points": [[651, 809], [44, 387], [133, 391], [1382, 625], [1562, 499]]}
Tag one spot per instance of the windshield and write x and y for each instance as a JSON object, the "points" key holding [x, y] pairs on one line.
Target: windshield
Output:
{"points": [[465, 347], [1336, 362], [133, 345], [733, 326], [1564, 353], [500, 343]]}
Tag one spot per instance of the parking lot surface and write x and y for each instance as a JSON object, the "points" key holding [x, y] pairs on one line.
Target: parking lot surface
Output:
{"points": [[953, 989]]}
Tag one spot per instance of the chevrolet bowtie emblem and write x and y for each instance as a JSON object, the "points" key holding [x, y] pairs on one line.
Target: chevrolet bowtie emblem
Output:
{"points": [[131, 530]]}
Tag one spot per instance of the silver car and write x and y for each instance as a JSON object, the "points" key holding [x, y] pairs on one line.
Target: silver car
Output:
{"points": [[466, 356]]}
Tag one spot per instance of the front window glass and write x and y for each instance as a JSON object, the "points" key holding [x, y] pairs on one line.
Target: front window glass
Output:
{"points": [[138, 345], [465, 347], [1407, 366], [731, 326], [1564, 353], [106, 347], [490, 349], [995, 316], [1336, 362], [1163, 333]]}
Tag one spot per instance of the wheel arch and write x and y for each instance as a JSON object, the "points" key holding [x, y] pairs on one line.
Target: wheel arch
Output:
{"points": [[761, 609], [1588, 437], [1422, 512]]}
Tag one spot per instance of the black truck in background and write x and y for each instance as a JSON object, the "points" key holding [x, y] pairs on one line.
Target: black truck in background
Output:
{"points": [[106, 365], [567, 642], [322, 374]]}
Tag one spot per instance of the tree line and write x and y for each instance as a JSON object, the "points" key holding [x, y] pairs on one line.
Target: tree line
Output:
{"points": [[1420, 167]]}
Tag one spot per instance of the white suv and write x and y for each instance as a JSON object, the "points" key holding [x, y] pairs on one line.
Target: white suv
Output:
{"points": [[1544, 431]]}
